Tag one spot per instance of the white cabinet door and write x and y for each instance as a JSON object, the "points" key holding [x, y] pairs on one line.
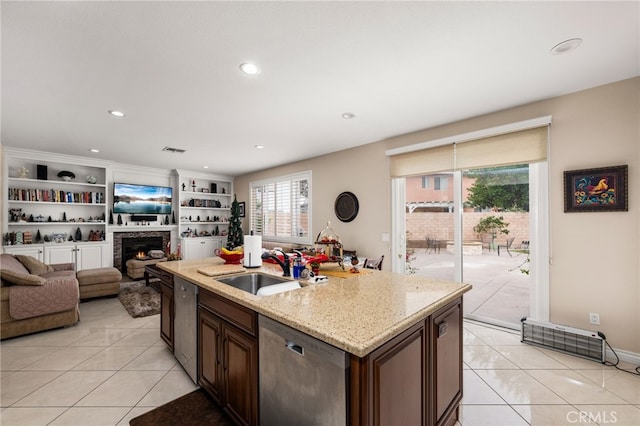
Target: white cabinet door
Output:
{"points": [[33, 250], [59, 254], [198, 248], [91, 256]]}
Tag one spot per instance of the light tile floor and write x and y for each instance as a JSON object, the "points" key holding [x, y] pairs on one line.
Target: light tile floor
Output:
{"points": [[110, 368]]}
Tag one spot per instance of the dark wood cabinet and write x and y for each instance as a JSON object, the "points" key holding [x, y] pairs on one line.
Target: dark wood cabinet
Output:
{"points": [[228, 356], [446, 356], [389, 386], [240, 375], [166, 314], [210, 353], [415, 378], [166, 302]]}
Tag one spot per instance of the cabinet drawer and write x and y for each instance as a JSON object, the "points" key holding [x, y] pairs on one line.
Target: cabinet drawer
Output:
{"points": [[238, 315], [166, 278]]}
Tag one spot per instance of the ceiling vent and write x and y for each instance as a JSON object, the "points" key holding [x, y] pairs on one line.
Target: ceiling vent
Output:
{"points": [[174, 150]]}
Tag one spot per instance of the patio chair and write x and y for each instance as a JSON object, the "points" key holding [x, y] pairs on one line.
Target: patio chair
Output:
{"points": [[374, 263], [507, 246], [433, 245]]}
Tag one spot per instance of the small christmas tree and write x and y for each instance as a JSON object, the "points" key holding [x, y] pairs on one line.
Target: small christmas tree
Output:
{"points": [[235, 237]]}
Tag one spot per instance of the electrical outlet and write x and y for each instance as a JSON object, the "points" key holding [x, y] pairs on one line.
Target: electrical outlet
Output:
{"points": [[594, 318]]}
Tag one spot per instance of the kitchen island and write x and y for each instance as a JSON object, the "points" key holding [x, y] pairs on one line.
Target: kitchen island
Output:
{"points": [[402, 333]]}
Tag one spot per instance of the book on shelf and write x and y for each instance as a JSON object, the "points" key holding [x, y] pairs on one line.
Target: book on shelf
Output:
{"points": [[56, 196]]}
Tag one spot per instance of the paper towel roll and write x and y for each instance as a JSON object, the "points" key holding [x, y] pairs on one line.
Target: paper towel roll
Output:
{"points": [[252, 251]]}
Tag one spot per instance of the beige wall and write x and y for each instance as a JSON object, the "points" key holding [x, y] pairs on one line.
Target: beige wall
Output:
{"points": [[596, 256], [363, 171]]}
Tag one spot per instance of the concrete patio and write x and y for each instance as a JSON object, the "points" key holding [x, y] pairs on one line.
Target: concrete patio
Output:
{"points": [[500, 290]]}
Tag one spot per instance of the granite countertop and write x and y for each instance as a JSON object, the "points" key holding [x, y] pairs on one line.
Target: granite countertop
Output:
{"points": [[356, 314]]}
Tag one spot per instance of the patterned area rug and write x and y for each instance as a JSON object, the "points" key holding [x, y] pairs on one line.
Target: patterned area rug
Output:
{"points": [[139, 300]]}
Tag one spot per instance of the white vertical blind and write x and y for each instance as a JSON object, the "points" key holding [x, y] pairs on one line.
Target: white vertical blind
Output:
{"points": [[280, 208]]}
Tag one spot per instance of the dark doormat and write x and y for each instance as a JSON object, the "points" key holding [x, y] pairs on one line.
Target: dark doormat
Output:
{"points": [[195, 408]]}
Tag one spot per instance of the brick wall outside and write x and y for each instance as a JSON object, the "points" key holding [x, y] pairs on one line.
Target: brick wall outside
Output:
{"points": [[440, 226]]}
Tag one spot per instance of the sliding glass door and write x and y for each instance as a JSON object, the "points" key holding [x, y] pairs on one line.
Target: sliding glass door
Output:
{"points": [[486, 242], [495, 243]]}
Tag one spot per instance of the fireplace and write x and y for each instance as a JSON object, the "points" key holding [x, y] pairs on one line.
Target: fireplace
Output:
{"points": [[138, 247], [126, 245]]}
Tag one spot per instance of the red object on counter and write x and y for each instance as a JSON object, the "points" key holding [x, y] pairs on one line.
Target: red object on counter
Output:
{"points": [[321, 258]]}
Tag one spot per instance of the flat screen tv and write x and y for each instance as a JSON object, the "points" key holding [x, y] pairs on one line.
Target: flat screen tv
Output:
{"points": [[141, 199]]}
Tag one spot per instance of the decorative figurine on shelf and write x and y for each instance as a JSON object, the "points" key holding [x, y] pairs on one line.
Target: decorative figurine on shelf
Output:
{"points": [[110, 217], [119, 220], [23, 172], [173, 217], [166, 220], [38, 236], [193, 185], [64, 216], [184, 187], [78, 234]]}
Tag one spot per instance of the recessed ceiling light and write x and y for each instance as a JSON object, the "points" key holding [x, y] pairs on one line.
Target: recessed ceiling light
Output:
{"points": [[205, 167], [258, 146], [116, 113], [566, 46], [348, 115], [251, 69], [94, 150]]}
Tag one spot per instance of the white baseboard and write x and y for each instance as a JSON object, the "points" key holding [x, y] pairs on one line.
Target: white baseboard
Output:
{"points": [[626, 356]]}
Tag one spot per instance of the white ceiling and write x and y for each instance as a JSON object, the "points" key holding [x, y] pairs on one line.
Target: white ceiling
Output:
{"points": [[172, 67]]}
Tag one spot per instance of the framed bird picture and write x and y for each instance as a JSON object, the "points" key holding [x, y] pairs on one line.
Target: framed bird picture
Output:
{"points": [[596, 190]]}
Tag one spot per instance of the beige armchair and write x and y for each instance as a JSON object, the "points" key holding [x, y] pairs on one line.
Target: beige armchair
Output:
{"points": [[35, 296]]}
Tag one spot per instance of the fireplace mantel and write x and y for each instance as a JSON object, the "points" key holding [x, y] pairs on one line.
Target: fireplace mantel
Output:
{"points": [[140, 228]]}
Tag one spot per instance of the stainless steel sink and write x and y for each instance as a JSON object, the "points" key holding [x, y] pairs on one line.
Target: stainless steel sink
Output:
{"points": [[252, 282]]}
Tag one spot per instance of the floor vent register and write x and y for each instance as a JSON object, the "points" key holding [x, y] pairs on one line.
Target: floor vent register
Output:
{"points": [[582, 343]]}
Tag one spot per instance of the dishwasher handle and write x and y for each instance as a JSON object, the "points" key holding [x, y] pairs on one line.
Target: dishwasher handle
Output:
{"points": [[292, 346]]}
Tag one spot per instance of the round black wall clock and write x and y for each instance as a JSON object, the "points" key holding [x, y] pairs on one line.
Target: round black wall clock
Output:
{"points": [[346, 206]]}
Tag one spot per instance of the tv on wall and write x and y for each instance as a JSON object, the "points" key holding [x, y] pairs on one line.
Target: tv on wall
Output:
{"points": [[141, 199]]}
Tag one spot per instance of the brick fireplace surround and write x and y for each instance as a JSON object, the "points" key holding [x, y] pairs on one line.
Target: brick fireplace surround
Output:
{"points": [[119, 236]]}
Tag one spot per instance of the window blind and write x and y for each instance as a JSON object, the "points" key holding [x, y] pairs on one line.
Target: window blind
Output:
{"points": [[280, 208], [518, 143]]}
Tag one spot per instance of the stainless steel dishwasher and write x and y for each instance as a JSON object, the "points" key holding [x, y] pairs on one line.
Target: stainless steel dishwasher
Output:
{"points": [[185, 323], [302, 379]]}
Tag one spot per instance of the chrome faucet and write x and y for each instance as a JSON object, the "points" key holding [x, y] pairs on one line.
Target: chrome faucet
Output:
{"points": [[286, 269]]}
